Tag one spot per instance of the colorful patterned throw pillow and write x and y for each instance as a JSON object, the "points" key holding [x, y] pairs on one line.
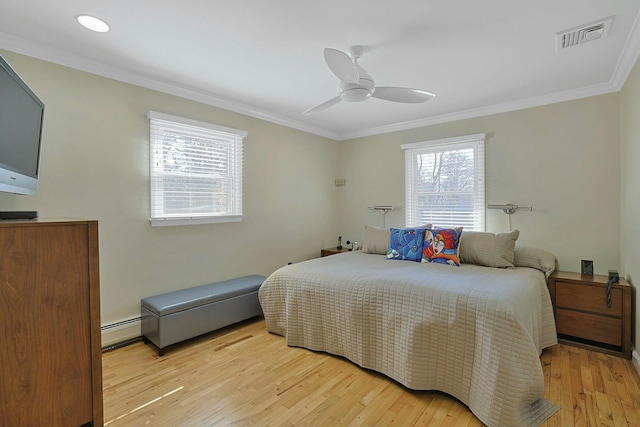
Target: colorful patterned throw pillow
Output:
{"points": [[441, 245], [406, 244]]}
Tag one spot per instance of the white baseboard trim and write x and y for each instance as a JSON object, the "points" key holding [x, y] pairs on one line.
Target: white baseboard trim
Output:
{"points": [[635, 358], [118, 332]]}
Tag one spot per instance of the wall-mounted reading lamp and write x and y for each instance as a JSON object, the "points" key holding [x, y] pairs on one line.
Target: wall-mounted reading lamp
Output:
{"points": [[383, 210], [510, 209]]}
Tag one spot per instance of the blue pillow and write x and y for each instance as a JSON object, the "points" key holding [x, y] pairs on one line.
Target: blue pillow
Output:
{"points": [[406, 244]]}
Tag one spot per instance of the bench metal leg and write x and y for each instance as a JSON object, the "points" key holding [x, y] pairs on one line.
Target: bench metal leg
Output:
{"points": [[159, 350]]}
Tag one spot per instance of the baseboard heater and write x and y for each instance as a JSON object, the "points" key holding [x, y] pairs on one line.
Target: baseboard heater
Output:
{"points": [[119, 334]]}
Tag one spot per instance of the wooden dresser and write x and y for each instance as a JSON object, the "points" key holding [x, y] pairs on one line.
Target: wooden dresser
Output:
{"points": [[583, 316], [50, 352]]}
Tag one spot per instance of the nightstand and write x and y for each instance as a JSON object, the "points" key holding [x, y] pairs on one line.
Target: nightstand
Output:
{"points": [[583, 317], [333, 251]]}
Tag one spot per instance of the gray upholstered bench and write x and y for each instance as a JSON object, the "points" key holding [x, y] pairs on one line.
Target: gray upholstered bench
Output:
{"points": [[176, 316]]}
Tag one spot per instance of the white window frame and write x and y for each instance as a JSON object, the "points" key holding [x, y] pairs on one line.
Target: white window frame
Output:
{"points": [[227, 141], [413, 150]]}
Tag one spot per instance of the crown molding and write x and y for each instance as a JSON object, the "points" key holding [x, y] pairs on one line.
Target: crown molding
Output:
{"points": [[630, 55], [67, 59], [628, 59], [486, 111]]}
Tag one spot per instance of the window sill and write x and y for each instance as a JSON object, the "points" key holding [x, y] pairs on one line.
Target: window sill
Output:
{"points": [[167, 222]]}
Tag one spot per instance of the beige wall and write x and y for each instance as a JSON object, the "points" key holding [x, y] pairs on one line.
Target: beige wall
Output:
{"points": [[564, 160], [95, 166], [561, 159], [630, 185]]}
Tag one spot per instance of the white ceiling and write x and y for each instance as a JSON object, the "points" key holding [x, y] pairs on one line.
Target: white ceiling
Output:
{"points": [[264, 58]]}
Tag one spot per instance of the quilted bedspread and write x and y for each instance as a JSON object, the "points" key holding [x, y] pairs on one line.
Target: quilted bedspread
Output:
{"points": [[473, 332]]}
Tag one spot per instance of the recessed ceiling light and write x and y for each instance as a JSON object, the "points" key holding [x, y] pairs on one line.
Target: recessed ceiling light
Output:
{"points": [[92, 23]]}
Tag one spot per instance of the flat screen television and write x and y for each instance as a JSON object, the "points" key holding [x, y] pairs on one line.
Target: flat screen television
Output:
{"points": [[21, 118]]}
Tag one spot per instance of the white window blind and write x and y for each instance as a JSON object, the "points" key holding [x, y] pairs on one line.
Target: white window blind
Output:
{"points": [[444, 182], [196, 171]]}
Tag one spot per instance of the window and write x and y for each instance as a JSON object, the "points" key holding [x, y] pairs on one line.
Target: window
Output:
{"points": [[444, 182], [196, 171]]}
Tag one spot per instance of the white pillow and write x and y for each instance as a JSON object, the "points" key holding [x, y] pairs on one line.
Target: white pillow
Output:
{"points": [[489, 249], [376, 240], [527, 256]]}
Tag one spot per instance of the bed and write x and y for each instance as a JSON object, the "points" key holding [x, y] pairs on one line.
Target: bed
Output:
{"points": [[471, 331]]}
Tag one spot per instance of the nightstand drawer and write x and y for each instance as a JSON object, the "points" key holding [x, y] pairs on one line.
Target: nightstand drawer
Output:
{"points": [[333, 251], [588, 298], [589, 326]]}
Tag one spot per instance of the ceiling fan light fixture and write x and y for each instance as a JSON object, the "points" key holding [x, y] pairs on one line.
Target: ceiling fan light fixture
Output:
{"points": [[356, 85], [356, 94]]}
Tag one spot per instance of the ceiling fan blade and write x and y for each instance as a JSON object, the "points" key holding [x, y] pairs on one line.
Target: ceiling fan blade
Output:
{"points": [[323, 106], [341, 65], [402, 94]]}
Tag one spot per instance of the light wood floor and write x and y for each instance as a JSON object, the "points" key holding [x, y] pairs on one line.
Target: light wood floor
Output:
{"points": [[244, 376]]}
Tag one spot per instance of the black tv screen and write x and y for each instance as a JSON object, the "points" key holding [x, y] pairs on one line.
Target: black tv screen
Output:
{"points": [[21, 117]]}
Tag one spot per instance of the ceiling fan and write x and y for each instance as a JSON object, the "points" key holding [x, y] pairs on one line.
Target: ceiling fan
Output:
{"points": [[357, 85]]}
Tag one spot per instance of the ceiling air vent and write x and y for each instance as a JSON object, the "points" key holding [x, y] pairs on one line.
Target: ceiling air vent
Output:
{"points": [[584, 33]]}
